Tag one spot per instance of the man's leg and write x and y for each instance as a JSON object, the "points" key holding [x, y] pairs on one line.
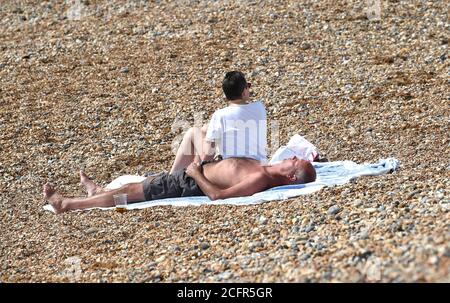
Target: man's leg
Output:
{"points": [[61, 204], [193, 145], [91, 188]]}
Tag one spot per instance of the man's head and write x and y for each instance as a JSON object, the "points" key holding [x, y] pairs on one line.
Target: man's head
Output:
{"points": [[298, 171], [235, 86]]}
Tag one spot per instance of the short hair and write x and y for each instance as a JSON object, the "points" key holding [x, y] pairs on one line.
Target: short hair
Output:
{"points": [[305, 174], [233, 85]]}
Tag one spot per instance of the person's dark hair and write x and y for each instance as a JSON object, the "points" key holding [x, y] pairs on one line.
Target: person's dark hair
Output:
{"points": [[306, 174], [233, 85]]}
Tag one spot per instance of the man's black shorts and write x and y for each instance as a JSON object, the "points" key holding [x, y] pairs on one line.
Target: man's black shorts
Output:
{"points": [[163, 185]]}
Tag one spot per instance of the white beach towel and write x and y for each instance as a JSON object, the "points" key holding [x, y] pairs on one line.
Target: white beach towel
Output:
{"points": [[328, 174]]}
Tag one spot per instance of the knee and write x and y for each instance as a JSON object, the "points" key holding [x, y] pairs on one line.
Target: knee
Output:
{"points": [[189, 133]]}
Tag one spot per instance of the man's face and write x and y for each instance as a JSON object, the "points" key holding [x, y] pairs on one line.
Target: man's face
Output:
{"points": [[291, 165], [246, 92]]}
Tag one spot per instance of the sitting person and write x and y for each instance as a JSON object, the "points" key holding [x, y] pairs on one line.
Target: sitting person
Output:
{"points": [[232, 177], [238, 130]]}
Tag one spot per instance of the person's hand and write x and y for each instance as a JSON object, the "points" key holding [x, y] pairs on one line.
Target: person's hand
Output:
{"points": [[193, 169]]}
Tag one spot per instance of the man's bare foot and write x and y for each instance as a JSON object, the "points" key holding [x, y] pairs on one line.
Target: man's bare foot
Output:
{"points": [[55, 199], [91, 188]]}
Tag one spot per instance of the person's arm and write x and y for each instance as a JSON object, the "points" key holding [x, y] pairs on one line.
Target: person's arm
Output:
{"points": [[252, 184]]}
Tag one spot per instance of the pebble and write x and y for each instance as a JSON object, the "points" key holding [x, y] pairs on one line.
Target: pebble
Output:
{"points": [[304, 257], [160, 259], [262, 220], [91, 230], [333, 210], [309, 228], [370, 210], [364, 234], [295, 229], [357, 203], [204, 245], [124, 70], [327, 80], [227, 275], [305, 46]]}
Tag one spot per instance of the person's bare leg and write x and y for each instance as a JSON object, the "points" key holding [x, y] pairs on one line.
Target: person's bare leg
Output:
{"points": [[91, 188], [190, 146], [207, 151], [61, 204]]}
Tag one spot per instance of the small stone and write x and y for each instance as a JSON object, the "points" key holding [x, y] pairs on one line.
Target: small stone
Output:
{"points": [[204, 245], [151, 266], [273, 15], [255, 244], [213, 19], [226, 275], [124, 70], [291, 244], [439, 195], [412, 194], [364, 234], [434, 260], [309, 228], [91, 230], [160, 259], [305, 46], [216, 267], [447, 253], [357, 203], [370, 210], [295, 229], [155, 274], [305, 257], [333, 210], [262, 220]]}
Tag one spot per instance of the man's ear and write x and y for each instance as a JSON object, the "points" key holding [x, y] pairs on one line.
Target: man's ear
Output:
{"points": [[292, 178]]}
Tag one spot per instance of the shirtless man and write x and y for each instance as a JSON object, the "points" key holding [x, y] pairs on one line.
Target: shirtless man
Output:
{"points": [[232, 177]]}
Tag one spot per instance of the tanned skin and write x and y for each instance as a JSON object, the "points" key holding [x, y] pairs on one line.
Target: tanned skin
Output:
{"points": [[233, 177]]}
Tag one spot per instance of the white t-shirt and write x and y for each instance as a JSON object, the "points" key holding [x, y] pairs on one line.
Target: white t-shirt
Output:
{"points": [[240, 131]]}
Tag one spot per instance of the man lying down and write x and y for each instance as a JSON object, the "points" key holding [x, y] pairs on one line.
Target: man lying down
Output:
{"points": [[232, 177]]}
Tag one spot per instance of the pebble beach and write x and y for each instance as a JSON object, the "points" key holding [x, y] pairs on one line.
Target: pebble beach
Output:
{"points": [[109, 87]]}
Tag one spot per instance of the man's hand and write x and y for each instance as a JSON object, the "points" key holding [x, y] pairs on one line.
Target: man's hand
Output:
{"points": [[194, 169]]}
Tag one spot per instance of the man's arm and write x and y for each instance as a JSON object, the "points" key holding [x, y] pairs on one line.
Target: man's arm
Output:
{"points": [[252, 184]]}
